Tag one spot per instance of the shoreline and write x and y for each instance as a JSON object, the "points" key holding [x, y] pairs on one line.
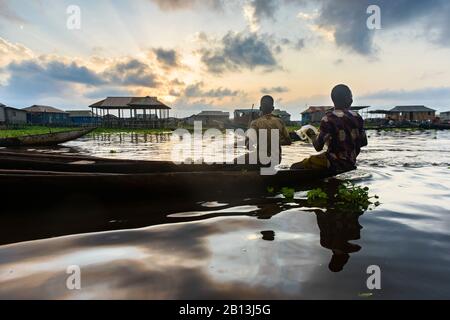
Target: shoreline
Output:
{"points": [[36, 130]]}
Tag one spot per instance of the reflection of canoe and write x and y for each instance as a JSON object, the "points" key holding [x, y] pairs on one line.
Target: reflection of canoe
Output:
{"points": [[48, 139], [47, 174]]}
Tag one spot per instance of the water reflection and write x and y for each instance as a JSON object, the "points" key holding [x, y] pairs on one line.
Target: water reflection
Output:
{"points": [[265, 248], [336, 230], [268, 235]]}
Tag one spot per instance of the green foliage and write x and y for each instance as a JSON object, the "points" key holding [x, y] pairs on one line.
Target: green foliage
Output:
{"points": [[288, 193], [30, 131], [270, 189], [352, 195], [317, 196], [348, 197]]}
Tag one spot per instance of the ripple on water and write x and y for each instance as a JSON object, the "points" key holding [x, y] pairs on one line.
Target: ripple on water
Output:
{"points": [[261, 248]]}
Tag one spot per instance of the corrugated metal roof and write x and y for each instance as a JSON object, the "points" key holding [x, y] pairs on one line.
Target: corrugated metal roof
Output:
{"points": [[80, 113], [412, 109], [316, 109], [146, 102], [214, 113], [247, 110], [127, 102], [10, 108], [97, 104], [279, 112], [114, 102], [43, 109], [313, 109]]}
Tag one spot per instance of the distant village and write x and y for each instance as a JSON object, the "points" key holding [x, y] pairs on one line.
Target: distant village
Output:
{"points": [[149, 112]]}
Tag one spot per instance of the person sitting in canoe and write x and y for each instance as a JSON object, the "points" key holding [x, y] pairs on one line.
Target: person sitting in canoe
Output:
{"points": [[268, 122], [342, 130]]}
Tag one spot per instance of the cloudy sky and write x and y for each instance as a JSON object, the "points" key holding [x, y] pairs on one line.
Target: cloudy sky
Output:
{"points": [[222, 55]]}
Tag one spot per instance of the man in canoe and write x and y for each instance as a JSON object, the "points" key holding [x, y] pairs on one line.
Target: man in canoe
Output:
{"points": [[266, 123], [342, 130]]}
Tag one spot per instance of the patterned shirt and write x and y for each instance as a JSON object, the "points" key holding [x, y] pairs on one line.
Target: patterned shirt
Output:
{"points": [[343, 131]]}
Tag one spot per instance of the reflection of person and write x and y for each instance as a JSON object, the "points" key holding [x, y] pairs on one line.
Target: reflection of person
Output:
{"points": [[336, 230], [342, 130]]}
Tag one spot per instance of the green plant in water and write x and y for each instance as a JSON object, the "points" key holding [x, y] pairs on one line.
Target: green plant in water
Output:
{"points": [[113, 151], [348, 197], [317, 196], [288, 193]]}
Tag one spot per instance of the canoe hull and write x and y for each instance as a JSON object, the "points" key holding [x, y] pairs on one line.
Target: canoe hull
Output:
{"points": [[40, 175], [178, 184]]}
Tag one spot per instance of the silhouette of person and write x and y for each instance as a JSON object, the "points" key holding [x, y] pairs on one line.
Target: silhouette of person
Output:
{"points": [[342, 130], [336, 230]]}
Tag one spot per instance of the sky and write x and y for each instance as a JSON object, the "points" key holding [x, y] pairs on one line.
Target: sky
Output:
{"points": [[224, 54]]}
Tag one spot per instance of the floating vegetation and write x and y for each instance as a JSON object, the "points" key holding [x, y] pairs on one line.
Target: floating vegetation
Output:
{"points": [[317, 196], [288, 193], [348, 197], [30, 131], [270, 190]]}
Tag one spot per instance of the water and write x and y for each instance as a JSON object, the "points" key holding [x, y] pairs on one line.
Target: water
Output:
{"points": [[249, 248]]}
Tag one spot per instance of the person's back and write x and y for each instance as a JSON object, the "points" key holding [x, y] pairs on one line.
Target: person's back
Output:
{"points": [[270, 122], [343, 131], [266, 123]]}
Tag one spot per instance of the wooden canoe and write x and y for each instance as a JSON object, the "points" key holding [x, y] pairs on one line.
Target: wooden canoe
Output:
{"points": [[40, 174], [48, 139]]}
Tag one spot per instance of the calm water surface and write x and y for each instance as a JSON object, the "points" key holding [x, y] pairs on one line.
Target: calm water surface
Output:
{"points": [[255, 248]]}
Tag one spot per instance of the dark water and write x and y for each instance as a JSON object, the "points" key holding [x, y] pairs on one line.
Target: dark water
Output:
{"points": [[249, 248]]}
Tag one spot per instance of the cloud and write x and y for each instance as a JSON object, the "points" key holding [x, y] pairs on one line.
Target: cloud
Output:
{"points": [[176, 82], [9, 14], [132, 73], [256, 10], [168, 58], [196, 90], [59, 71], [53, 79], [238, 51], [274, 90], [347, 20], [434, 97], [436, 93], [300, 44], [172, 5], [265, 8], [11, 51]]}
